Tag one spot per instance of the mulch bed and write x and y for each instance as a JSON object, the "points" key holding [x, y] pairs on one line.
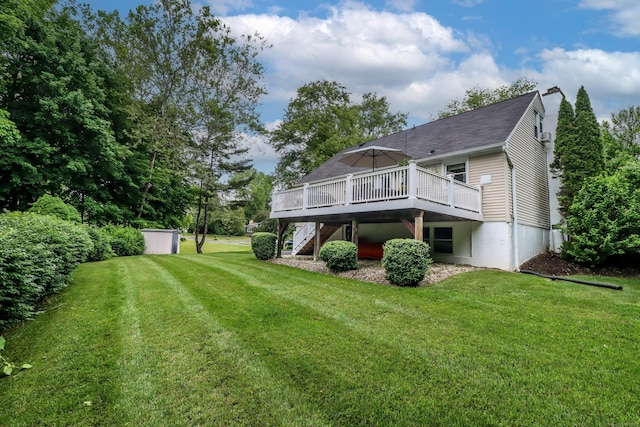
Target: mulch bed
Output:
{"points": [[551, 264]]}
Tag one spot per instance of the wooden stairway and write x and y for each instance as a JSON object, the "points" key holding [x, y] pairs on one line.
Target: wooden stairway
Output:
{"points": [[326, 231]]}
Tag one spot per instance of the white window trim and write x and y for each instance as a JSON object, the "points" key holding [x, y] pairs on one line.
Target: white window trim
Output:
{"points": [[538, 124], [455, 162]]}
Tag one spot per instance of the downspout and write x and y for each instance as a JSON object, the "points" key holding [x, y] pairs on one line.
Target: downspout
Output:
{"points": [[514, 231]]}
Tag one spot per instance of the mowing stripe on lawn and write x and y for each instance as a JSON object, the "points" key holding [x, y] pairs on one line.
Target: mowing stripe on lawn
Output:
{"points": [[74, 376], [339, 375], [271, 395], [451, 344], [224, 339]]}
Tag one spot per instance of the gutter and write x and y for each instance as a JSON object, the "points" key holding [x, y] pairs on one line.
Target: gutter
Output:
{"points": [[514, 230]]}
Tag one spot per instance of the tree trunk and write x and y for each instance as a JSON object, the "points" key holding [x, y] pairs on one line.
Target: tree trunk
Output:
{"points": [[148, 185], [202, 207]]}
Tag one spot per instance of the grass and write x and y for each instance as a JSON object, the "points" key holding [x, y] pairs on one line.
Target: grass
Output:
{"points": [[224, 339]]}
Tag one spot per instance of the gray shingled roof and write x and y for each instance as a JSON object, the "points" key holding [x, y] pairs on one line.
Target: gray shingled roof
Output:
{"points": [[484, 127]]}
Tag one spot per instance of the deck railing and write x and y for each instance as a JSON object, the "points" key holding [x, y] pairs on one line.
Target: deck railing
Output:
{"points": [[402, 182]]}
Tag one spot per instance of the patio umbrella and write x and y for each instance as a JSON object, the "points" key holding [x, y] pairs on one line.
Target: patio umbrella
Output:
{"points": [[373, 157]]}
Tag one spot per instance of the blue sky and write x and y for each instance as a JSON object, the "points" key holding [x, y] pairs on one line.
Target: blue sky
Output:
{"points": [[420, 54]]}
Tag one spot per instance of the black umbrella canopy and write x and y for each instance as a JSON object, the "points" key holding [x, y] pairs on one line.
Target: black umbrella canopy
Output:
{"points": [[373, 157]]}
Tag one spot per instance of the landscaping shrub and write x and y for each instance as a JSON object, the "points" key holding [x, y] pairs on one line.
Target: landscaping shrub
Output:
{"points": [[38, 253], [339, 255], [101, 245], [604, 221], [125, 241], [264, 245], [55, 206], [406, 261]]}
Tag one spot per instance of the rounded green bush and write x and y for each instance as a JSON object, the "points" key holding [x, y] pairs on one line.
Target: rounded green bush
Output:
{"points": [[55, 206], [339, 255], [405, 261], [264, 245], [125, 241]]}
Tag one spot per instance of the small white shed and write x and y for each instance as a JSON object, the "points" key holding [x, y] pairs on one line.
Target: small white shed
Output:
{"points": [[161, 241]]}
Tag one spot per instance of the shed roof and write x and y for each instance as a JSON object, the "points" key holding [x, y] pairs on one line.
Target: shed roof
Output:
{"points": [[476, 129]]}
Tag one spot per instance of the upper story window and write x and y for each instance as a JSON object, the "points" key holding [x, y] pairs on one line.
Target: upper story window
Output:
{"points": [[538, 124], [458, 171]]}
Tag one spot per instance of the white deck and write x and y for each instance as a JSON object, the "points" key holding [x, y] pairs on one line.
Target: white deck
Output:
{"points": [[400, 188]]}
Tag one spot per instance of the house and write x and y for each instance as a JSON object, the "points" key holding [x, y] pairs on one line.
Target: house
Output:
{"points": [[251, 227], [476, 190]]}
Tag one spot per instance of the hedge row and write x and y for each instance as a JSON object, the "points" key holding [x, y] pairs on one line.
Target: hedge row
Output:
{"points": [[38, 254]]}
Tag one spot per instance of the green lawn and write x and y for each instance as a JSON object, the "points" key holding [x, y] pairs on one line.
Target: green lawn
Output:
{"points": [[223, 339]]}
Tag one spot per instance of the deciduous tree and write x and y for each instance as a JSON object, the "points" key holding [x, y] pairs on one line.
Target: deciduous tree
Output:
{"points": [[323, 120], [621, 138], [53, 86], [478, 97]]}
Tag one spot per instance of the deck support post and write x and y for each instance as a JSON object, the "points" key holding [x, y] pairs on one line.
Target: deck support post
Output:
{"points": [[354, 231], [316, 242], [418, 226]]}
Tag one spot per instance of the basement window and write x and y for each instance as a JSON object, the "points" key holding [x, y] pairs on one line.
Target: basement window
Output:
{"points": [[443, 240]]}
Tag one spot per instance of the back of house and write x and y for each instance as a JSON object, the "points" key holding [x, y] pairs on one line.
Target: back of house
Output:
{"points": [[476, 189]]}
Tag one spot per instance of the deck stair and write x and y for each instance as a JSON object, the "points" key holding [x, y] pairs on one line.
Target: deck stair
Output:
{"points": [[305, 247]]}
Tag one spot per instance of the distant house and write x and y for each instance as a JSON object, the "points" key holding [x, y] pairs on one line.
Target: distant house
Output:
{"points": [[251, 227], [476, 190]]}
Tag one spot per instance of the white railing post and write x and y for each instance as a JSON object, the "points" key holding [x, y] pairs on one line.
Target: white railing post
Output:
{"points": [[305, 199], [413, 179], [349, 190], [451, 191]]}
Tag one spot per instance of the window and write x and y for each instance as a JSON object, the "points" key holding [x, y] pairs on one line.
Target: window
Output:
{"points": [[537, 124], [458, 171], [443, 240]]}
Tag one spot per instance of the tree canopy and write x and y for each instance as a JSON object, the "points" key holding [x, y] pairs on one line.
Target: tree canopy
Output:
{"points": [[126, 119], [323, 120], [478, 97], [621, 138], [54, 89]]}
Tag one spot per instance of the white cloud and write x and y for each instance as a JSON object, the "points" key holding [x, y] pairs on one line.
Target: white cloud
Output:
{"points": [[418, 64], [613, 73], [625, 14], [365, 50]]}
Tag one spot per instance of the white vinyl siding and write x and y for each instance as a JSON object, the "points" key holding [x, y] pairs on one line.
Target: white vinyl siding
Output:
{"points": [[495, 196], [529, 156]]}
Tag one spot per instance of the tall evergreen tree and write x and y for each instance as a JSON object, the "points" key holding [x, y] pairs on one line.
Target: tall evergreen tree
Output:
{"points": [[579, 153], [564, 135]]}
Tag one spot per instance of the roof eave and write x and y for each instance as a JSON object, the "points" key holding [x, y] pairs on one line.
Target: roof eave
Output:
{"points": [[487, 149]]}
